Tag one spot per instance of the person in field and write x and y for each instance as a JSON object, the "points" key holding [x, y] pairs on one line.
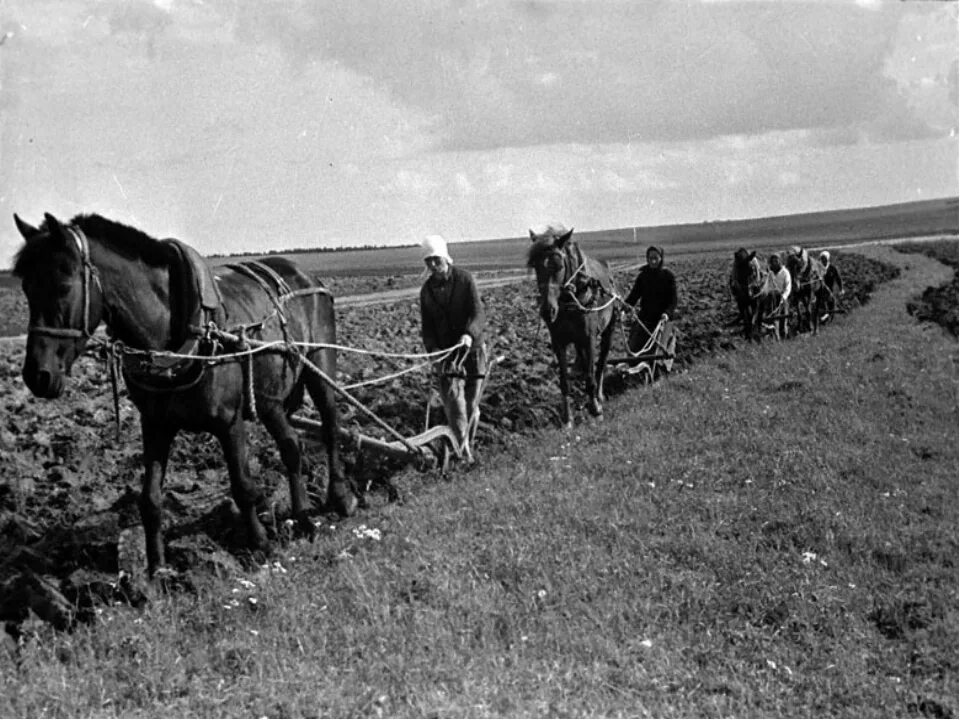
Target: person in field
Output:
{"points": [[778, 281], [655, 289], [452, 316], [832, 281]]}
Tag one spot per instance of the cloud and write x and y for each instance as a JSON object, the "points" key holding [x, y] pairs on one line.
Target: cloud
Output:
{"points": [[524, 73]]}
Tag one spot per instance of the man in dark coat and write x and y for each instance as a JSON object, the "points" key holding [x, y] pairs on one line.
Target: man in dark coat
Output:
{"points": [[451, 315], [656, 290]]}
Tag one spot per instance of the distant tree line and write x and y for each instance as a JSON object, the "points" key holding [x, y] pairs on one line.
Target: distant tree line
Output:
{"points": [[313, 250]]}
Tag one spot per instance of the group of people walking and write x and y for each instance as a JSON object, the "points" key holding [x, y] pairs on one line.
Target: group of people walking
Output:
{"points": [[452, 316], [780, 282]]}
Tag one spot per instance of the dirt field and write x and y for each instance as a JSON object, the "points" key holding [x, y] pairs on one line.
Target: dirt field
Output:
{"points": [[68, 485]]}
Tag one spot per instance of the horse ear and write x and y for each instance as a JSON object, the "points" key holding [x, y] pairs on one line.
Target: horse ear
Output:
{"points": [[53, 225], [753, 254], [533, 236], [563, 239], [25, 228]]}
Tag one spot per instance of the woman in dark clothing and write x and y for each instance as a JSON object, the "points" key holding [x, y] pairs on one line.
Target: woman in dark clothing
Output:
{"points": [[656, 290], [451, 315], [833, 282]]}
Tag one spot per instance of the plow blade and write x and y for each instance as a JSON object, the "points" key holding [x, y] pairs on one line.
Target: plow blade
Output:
{"points": [[641, 358], [424, 458]]}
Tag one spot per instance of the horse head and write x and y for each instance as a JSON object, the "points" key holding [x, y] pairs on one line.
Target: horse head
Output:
{"points": [[64, 298], [800, 266], [747, 277], [547, 257]]}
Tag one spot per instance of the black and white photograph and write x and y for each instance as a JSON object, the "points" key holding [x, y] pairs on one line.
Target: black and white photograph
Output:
{"points": [[479, 358]]}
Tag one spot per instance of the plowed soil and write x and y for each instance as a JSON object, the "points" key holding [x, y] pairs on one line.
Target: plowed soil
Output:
{"points": [[69, 480]]}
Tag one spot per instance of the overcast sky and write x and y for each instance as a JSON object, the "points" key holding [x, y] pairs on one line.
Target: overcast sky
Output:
{"points": [[245, 125]]}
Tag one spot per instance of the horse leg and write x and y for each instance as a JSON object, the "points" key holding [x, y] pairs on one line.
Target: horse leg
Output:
{"points": [[156, 450], [340, 494], [746, 319], [233, 440], [288, 443], [561, 352]]}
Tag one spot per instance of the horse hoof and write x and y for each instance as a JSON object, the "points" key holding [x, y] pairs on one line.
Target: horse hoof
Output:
{"points": [[168, 580], [303, 526], [345, 505]]}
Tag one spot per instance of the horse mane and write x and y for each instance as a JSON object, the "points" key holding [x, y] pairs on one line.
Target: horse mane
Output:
{"points": [[124, 240], [805, 270]]}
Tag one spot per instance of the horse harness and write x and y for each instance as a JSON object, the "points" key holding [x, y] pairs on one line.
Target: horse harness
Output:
{"points": [[577, 283], [197, 336], [808, 274], [90, 275]]}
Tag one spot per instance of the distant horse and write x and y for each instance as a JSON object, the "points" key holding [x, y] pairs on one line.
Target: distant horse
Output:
{"points": [[577, 304], [746, 278], [809, 294], [160, 296]]}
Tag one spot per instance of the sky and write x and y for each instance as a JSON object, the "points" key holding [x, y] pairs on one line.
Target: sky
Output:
{"points": [[254, 125]]}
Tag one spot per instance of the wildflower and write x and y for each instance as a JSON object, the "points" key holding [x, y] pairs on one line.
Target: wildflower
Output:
{"points": [[647, 643], [808, 557], [363, 532], [247, 583]]}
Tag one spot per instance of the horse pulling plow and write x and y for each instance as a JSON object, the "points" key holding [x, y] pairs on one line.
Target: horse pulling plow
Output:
{"points": [[431, 449], [200, 353]]}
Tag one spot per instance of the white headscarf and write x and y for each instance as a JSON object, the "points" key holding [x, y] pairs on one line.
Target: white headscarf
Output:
{"points": [[825, 258], [436, 246]]}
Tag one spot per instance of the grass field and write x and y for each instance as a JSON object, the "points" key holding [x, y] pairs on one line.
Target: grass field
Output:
{"points": [[772, 533]]}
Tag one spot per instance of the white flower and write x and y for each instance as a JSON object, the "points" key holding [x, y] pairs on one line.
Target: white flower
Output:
{"points": [[808, 557], [364, 532]]}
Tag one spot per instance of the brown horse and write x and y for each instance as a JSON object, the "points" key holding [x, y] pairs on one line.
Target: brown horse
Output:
{"points": [[809, 294], [577, 304], [159, 296]]}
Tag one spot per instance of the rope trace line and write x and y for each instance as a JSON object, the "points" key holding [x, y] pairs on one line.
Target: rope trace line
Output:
{"points": [[254, 347]]}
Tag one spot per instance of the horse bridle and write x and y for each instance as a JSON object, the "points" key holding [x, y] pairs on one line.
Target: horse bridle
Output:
{"points": [[89, 274]]}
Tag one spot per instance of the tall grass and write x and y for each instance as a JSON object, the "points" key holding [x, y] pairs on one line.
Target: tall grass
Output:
{"points": [[773, 533]]}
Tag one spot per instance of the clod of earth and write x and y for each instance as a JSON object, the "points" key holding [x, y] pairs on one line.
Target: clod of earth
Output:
{"points": [[68, 488]]}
